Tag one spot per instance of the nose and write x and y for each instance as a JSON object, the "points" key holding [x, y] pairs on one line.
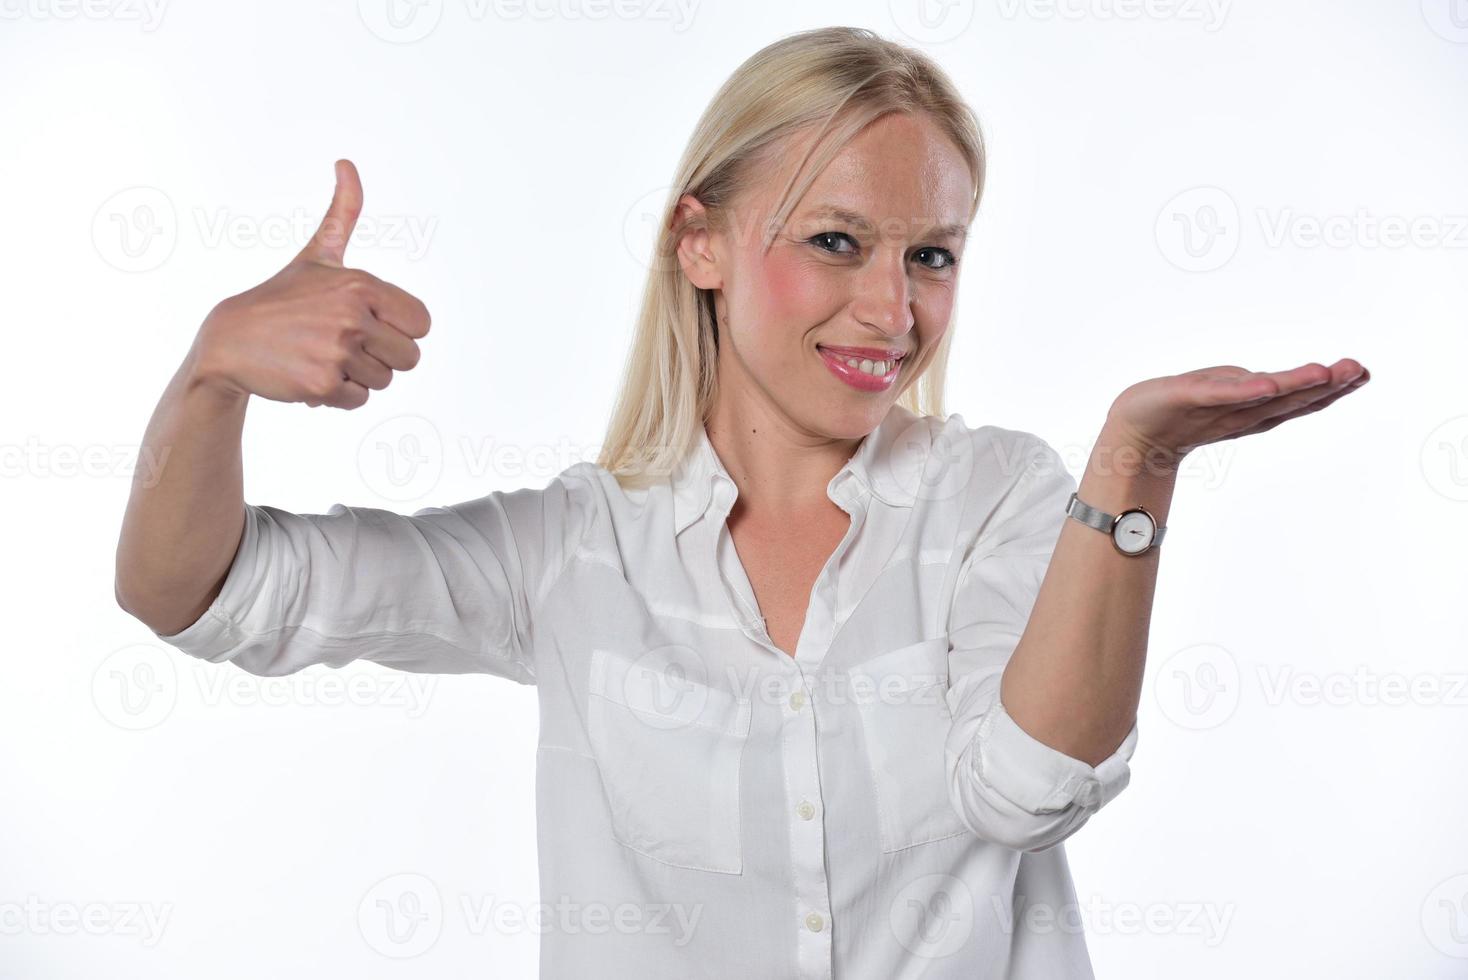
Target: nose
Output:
{"points": [[883, 298]]}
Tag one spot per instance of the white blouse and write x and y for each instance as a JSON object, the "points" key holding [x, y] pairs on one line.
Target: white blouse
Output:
{"points": [[864, 809]]}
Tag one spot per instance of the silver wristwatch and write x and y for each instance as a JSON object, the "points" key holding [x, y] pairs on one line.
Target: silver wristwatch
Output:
{"points": [[1134, 531]]}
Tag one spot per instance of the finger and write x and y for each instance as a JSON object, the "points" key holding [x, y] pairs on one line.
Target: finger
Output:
{"points": [[367, 370], [328, 245], [1264, 425], [390, 346], [1278, 410], [397, 307], [349, 395], [1263, 386]]}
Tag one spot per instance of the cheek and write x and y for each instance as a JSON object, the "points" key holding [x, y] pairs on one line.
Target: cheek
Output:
{"points": [[932, 309], [794, 293]]}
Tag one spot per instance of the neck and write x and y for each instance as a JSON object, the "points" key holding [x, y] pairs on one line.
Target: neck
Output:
{"points": [[780, 467]]}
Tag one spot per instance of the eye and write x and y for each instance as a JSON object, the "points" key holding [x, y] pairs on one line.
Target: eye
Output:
{"points": [[949, 260], [817, 239]]}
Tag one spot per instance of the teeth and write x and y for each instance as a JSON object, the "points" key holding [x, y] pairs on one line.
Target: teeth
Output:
{"points": [[877, 368]]}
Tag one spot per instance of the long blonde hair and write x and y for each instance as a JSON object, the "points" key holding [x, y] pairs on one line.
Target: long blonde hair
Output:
{"points": [[838, 78]]}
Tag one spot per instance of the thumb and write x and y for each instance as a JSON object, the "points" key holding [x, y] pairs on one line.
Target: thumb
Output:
{"points": [[329, 244]]}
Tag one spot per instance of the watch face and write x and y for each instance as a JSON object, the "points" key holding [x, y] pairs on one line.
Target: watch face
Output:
{"points": [[1133, 532]]}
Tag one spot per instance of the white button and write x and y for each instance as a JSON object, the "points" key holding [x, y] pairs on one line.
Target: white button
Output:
{"points": [[814, 922], [797, 700], [805, 810]]}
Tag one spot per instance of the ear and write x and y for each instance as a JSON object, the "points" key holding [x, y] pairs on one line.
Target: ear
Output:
{"points": [[696, 248]]}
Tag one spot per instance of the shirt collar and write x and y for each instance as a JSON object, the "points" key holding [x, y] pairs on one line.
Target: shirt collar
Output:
{"points": [[887, 464]]}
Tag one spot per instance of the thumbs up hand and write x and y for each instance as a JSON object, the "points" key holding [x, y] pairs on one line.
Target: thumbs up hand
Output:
{"points": [[315, 332]]}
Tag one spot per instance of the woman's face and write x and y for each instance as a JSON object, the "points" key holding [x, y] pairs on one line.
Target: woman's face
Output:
{"points": [[863, 268]]}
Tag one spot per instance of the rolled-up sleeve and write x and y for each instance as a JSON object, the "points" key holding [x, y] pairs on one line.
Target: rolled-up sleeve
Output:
{"points": [[1007, 786], [445, 590]]}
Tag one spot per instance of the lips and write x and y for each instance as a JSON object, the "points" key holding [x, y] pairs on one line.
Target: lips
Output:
{"points": [[836, 360], [869, 353]]}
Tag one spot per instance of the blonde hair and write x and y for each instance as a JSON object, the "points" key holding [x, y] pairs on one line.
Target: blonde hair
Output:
{"points": [[838, 78]]}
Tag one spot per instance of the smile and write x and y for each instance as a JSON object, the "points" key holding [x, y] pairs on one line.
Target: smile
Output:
{"points": [[863, 369]]}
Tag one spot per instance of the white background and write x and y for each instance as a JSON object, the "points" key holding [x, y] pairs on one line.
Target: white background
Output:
{"points": [[1288, 815]]}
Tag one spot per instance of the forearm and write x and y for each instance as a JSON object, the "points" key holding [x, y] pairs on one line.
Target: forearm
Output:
{"points": [[185, 511], [1075, 679]]}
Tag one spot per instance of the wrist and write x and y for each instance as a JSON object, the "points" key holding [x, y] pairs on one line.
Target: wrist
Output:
{"points": [[1118, 452], [199, 379], [1121, 475]]}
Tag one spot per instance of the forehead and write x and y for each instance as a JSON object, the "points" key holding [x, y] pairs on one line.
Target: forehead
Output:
{"points": [[900, 167]]}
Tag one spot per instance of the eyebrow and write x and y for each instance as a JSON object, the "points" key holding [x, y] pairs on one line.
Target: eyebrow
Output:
{"points": [[860, 221]]}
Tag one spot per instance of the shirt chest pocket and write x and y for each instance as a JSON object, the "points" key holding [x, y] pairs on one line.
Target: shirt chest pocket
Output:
{"points": [[902, 699], [668, 747]]}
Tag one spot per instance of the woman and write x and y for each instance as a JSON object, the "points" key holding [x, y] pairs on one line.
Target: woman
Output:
{"points": [[826, 676]]}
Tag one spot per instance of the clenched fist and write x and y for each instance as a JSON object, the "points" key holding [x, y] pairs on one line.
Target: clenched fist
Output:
{"points": [[315, 332]]}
